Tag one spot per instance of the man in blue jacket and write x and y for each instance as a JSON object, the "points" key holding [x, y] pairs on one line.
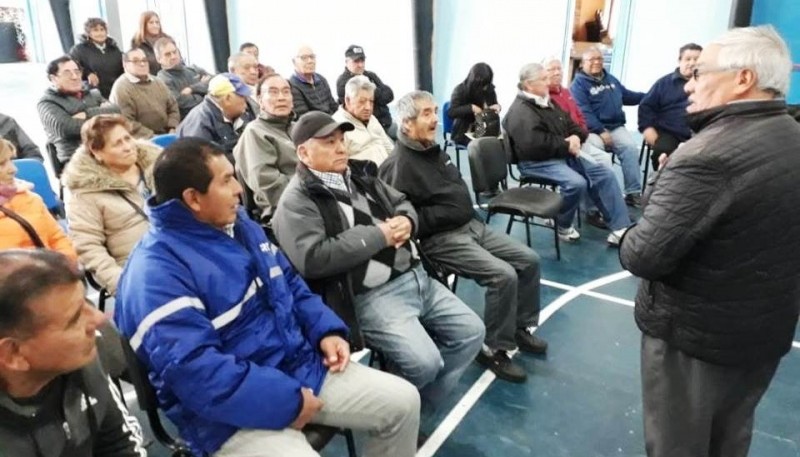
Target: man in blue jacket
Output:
{"points": [[241, 353], [662, 112], [600, 97]]}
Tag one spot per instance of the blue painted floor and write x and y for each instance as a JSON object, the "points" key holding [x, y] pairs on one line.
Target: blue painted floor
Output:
{"points": [[583, 398]]}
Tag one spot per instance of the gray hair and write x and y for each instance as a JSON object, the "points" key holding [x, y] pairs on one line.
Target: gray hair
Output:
{"points": [[550, 58], [162, 43], [591, 50], [761, 50], [528, 72], [356, 84], [407, 109], [234, 59]]}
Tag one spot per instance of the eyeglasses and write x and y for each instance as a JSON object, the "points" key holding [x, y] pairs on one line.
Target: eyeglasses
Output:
{"points": [[697, 72], [138, 61], [594, 59], [70, 73], [307, 57]]}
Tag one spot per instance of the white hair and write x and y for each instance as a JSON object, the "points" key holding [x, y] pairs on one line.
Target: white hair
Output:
{"points": [[591, 50], [761, 50], [356, 84], [407, 109], [233, 61], [550, 58], [528, 72]]}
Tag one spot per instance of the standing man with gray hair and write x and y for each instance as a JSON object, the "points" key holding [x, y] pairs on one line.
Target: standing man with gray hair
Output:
{"points": [[452, 236], [354, 65], [601, 96], [716, 249], [368, 141]]}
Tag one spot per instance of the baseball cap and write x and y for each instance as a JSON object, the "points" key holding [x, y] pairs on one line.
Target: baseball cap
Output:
{"points": [[317, 124], [226, 83], [355, 52]]}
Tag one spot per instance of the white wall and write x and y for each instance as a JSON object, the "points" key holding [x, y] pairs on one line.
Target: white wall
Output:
{"points": [[506, 34], [384, 28], [657, 30]]}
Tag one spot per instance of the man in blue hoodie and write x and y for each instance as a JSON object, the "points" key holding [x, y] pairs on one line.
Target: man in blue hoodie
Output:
{"points": [[600, 97], [662, 112], [241, 353]]}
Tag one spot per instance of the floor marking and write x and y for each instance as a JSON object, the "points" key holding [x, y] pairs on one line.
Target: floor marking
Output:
{"points": [[460, 410]]}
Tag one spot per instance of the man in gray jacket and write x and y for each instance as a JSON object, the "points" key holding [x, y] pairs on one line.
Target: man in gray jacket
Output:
{"points": [[716, 249], [54, 395], [349, 234], [265, 155], [187, 83]]}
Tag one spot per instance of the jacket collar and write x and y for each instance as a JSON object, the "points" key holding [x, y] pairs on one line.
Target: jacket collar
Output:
{"points": [[174, 215], [415, 145], [360, 170], [702, 119], [84, 173]]}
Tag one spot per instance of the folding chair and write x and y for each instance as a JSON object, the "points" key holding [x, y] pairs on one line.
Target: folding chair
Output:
{"points": [[487, 163], [447, 129], [56, 165], [33, 171], [164, 140], [104, 295], [645, 154]]}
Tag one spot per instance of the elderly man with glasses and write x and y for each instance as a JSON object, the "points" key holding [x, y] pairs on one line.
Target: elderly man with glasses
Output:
{"points": [[310, 90]]}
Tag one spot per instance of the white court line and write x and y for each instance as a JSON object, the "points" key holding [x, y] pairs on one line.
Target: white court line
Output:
{"points": [[469, 399]]}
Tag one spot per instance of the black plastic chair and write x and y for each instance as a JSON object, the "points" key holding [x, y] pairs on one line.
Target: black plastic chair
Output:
{"points": [[318, 436], [645, 154], [104, 295], [447, 129], [487, 162]]}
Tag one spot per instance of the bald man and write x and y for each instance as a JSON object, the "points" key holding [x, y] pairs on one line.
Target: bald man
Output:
{"points": [[310, 90]]}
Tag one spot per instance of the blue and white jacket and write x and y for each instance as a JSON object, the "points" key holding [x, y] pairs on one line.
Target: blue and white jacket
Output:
{"points": [[227, 328], [601, 100]]}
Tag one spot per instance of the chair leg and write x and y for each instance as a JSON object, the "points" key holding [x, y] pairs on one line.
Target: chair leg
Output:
{"points": [[488, 216], [458, 160], [527, 230], [510, 222], [351, 442], [646, 168], [455, 284], [555, 234]]}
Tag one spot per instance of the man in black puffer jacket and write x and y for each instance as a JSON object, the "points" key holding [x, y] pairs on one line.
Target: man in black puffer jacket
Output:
{"points": [[717, 251]]}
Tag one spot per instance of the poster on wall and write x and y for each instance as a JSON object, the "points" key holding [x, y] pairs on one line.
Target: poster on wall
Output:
{"points": [[13, 45]]}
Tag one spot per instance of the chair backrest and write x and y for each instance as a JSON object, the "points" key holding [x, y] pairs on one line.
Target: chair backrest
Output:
{"points": [[508, 147], [487, 163], [447, 121], [33, 171], [52, 156], [164, 140]]}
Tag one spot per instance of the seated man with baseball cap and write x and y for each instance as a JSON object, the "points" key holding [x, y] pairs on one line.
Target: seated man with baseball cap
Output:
{"points": [[222, 115], [349, 235], [354, 65]]}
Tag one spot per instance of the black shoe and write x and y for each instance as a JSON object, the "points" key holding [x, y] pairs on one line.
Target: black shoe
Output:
{"points": [[596, 219], [634, 200], [502, 366], [528, 342]]}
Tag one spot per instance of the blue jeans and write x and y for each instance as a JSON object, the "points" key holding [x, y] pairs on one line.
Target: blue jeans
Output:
{"points": [[575, 176], [428, 335], [627, 151]]}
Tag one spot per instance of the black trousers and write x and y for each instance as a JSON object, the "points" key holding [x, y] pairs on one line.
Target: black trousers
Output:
{"points": [[697, 409], [665, 144]]}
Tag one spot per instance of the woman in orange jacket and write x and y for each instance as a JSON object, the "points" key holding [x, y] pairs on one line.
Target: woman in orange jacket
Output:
{"points": [[20, 206]]}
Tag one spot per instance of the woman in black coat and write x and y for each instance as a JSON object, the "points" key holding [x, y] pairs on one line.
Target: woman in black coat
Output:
{"points": [[471, 97], [98, 56]]}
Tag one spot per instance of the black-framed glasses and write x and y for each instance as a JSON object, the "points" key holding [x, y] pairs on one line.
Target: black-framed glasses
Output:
{"points": [[697, 72]]}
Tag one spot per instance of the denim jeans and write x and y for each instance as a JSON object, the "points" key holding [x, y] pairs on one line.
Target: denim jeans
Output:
{"points": [[627, 152], [576, 176], [428, 335], [601, 157]]}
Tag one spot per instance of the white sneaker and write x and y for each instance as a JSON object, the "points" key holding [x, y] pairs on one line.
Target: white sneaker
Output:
{"points": [[568, 234], [615, 236]]}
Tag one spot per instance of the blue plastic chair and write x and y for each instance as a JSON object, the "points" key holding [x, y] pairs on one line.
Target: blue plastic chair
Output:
{"points": [[33, 171], [164, 140], [447, 129]]}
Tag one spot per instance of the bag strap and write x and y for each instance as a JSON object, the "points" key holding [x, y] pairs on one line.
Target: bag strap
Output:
{"points": [[25, 225], [133, 205]]}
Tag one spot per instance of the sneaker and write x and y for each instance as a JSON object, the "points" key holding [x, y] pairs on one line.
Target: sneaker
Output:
{"points": [[568, 234], [616, 236], [501, 365], [529, 342], [634, 200], [596, 219]]}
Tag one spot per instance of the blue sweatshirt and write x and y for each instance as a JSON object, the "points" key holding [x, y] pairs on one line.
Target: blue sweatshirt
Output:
{"points": [[664, 107], [601, 99]]}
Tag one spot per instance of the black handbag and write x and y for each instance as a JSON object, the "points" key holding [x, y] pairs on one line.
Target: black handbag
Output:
{"points": [[487, 123]]}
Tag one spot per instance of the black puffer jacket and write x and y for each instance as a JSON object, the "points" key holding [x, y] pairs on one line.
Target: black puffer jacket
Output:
{"points": [[106, 63], [717, 245]]}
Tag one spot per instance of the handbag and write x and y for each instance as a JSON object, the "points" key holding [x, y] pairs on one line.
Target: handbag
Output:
{"points": [[487, 123]]}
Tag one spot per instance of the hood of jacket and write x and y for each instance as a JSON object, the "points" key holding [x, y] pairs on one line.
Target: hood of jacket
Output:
{"points": [[85, 174]]}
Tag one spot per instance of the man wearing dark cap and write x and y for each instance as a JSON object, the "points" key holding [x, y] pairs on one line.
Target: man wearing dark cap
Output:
{"points": [[222, 116], [349, 234], [354, 64]]}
